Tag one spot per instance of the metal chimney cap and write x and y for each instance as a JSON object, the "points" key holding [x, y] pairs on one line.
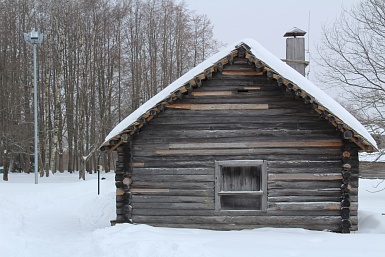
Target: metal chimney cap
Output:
{"points": [[295, 32]]}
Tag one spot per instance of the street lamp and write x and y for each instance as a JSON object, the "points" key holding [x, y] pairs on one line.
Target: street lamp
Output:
{"points": [[34, 38]]}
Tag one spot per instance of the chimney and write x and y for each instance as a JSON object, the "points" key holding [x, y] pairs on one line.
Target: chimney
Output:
{"points": [[295, 50]]}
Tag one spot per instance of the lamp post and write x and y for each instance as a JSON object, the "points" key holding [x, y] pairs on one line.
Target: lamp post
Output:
{"points": [[34, 38]]}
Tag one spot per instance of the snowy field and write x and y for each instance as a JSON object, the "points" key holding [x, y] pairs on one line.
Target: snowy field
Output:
{"points": [[62, 216]]}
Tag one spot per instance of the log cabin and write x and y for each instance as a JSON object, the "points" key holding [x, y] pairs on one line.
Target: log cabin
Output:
{"points": [[240, 141]]}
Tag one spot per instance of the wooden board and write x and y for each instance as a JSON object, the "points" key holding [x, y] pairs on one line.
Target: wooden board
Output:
{"points": [[172, 192], [174, 178], [242, 72], [257, 220], [252, 88], [211, 93], [206, 107], [149, 190], [229, 152], [290, 177], [280, 144], [171, 199]]}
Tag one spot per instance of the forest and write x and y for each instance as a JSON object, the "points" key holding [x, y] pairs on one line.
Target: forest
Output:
{"points": [[98, 62]]}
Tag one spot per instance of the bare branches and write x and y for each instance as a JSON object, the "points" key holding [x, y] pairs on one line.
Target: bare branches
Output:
{"points": [[376, 186], [99, 61], [353, 54]]}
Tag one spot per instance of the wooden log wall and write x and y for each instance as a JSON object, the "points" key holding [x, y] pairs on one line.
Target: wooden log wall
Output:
{"points": [[372, 170], [239, 114], [350, 174], [123, 174]]}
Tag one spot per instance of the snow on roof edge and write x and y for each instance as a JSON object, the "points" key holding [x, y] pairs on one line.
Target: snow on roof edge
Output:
{"points": [[270, 60]]}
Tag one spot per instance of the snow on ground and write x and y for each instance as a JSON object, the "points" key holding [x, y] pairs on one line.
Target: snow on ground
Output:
{"points": [[373, 157], [62, 216]]}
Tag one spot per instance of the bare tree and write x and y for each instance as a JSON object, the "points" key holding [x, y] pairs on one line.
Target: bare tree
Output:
{"points": [[352, 51], [15, 87], [99, 61]]}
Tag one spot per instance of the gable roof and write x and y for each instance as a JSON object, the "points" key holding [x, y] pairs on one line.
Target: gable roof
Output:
{"points": [[264, 61]]}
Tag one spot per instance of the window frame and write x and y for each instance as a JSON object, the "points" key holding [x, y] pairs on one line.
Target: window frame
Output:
{"points": [[240, 163]]}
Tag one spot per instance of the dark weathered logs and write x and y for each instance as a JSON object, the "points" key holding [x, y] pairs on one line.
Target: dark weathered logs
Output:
{"points": [[345, 213], [167, 176], [348, 134], [348, 156]]}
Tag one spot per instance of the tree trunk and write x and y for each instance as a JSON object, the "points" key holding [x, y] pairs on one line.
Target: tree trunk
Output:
{"points": [[46, 129], [5, 172], [27, 166]]}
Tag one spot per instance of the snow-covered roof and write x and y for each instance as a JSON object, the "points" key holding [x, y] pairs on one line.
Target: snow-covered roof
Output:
{"points": [[271, 63]]}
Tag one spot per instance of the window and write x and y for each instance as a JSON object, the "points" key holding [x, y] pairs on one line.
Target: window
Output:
{"points": [[240, 185]]}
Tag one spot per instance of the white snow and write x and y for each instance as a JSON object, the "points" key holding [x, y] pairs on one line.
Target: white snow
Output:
{"points": [[373, 157], [273, 62], [64, 216]]}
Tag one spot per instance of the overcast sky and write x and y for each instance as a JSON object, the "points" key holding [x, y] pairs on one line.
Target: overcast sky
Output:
{"points": [[268, 20]]}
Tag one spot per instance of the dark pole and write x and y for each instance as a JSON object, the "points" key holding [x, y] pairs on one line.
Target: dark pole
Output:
{"points": [[99, 167], [35, 115]]}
